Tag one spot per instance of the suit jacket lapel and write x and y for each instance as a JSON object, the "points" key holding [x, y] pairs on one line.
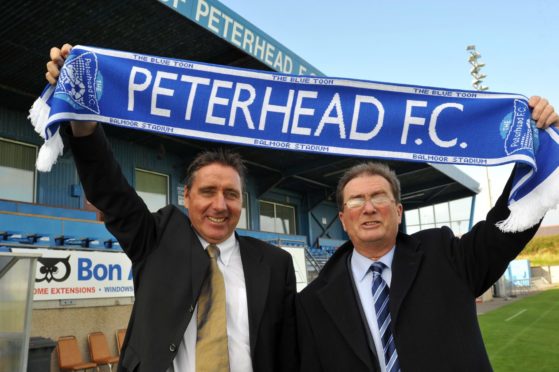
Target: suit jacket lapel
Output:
{"points": [[407, 259], [199, 264], [338, 298], [257, 281]]}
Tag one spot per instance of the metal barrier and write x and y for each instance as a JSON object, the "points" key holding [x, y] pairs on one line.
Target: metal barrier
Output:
{"points": [[17, 280]]}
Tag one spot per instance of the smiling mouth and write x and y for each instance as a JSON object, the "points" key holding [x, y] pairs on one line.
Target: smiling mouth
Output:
{"points": [[217, 219], [370, 223]]}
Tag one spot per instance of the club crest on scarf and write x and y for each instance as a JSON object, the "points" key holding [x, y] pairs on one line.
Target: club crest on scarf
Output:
{"points": [[80, 83], [518, 130]]}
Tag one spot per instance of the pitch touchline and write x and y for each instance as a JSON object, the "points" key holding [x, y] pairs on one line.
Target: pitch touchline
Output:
{"points": [[515, 315]]}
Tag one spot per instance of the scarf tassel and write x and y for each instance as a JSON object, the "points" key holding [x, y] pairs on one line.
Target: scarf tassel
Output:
{"points": [[53, 146], [528, 211]]}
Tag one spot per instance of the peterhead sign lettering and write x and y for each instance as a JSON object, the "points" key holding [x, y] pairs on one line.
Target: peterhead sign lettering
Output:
{"points": [[225, 23]]}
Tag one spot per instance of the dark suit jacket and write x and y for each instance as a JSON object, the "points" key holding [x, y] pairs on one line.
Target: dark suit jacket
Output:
{"points": [[169, 265], [436, 278]]}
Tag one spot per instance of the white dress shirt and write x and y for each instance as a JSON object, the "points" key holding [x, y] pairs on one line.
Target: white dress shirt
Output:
{"points": [[229, 262], [363, 278]]}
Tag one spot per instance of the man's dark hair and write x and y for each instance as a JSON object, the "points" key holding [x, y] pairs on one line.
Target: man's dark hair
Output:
{"points": [[220, 156], [367, 169]]}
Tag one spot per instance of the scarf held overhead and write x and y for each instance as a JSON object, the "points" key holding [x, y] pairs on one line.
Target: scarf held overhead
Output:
{"points": [[306, 113]]}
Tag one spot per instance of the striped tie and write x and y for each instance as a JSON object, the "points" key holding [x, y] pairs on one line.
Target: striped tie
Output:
{"points": [[380, 298]]}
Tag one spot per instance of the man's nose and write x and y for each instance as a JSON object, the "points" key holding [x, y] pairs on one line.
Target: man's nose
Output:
{"points": [[369, 207], [218, 202]]}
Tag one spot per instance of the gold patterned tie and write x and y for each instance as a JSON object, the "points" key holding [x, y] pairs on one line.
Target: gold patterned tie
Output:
{"points": [[212, 353]]}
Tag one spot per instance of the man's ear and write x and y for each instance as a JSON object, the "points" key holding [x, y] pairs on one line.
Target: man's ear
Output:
{"points": [[186, 197], [340, 217], [400, 210]]}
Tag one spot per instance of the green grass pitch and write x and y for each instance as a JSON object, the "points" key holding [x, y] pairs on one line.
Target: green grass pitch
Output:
{"points": [[524, 336]]}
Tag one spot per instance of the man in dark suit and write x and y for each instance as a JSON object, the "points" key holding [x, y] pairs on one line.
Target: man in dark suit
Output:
{"points": [[169, 262], [387, 301]]}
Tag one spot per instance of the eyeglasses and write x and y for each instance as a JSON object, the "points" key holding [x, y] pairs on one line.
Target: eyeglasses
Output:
{"points": [[376, 200]]}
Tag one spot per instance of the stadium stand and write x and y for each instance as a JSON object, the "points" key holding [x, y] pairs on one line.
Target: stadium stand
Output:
{"points": [[37, 226]]}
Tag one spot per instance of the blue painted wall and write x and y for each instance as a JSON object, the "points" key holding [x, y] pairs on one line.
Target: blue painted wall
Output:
{"points": [[324, 223]]}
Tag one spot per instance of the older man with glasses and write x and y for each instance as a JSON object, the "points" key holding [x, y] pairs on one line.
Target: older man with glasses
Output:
{"points": [[388, 301]]}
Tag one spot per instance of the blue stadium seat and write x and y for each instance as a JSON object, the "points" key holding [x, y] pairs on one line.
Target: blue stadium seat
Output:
{"points": [[53, 231], [24, 238]]}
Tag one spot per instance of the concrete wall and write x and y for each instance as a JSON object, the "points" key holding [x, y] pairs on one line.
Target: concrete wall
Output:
{"points": [[79, 321], [549, 274], [554, 273]]}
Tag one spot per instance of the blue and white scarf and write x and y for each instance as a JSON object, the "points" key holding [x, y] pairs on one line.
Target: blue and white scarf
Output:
{"points": [[306, 113]]}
